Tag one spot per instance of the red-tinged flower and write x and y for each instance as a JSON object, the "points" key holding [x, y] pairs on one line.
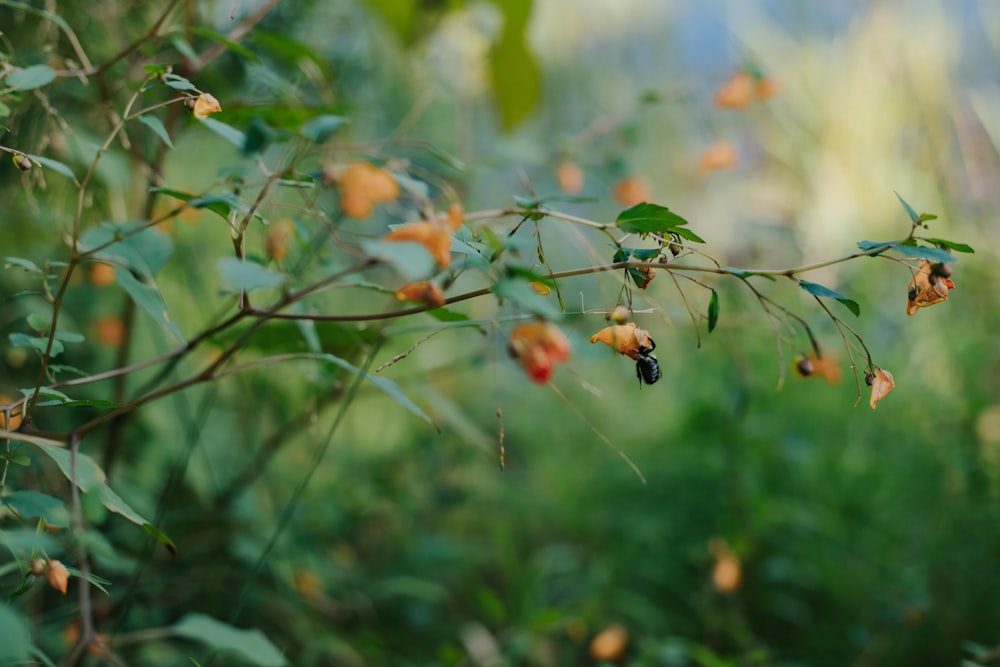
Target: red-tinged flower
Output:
{"points": [[538, 347], [436, 238], [424, 292], [624, 338], [881, 383], [931, 284]]}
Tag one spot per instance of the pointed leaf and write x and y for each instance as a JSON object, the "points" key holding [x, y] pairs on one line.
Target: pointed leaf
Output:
{"points": [[156, 125], [54, 165], [245, 276], [319, 128], [957, 247], [385, 385], [646, 218], [25, 264], [909, 210], [931, 254], [32, 504], [145, 251], [160, 537], [820, 290], [227, 132], [149, 299], [713, 311], [250, 645], [228, 43]]}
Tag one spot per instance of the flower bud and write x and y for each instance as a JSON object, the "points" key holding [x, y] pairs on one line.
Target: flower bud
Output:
{"points": [[57, 576], [22, 162]]}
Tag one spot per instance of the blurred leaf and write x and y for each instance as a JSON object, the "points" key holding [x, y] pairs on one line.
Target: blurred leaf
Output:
{"points": [[909, 210], [646, 218], [925, 252], [228, 43], [37, 342], [514, 74], [25, 264], [524, 295], [144, 252], [386, 386], [258, 136], [149, 299], [31, 77], [54, 165], [398, 15], [69, 337], [16, 645], [319, 128], [819, 290], [251, 645], [114, 503], [957, 247], [177, 82], [924, 217], [872, 245], [245, 275], [713, 311], [160, 537], [410, 260], [641, 254], [227, 132], [156, 125], [32, 504], [445, 315], [38, 323], [26, 541]]}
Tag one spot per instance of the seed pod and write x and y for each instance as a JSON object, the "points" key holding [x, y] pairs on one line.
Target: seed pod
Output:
{"points": [[805, 367], [22, 162]]}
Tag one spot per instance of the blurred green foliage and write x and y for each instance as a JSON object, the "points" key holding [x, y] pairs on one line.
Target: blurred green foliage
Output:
{"points": [[314, 518]]}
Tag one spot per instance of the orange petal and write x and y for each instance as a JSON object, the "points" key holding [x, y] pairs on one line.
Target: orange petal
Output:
{"points": [[424, 292], [204, 105], [57, 576], [882, 384], [15, 414], [930, 285], [455, 218], [435, 238], [624, 338], [736, 92]]}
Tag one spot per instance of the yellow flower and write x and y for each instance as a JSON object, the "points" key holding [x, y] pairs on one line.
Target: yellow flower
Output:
{"points": [[205, 105]]}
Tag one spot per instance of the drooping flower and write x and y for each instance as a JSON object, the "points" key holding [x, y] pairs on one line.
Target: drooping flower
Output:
{"points": [[816, 366], [362, 186], [881, 383], [625, 339], [931, 284], [424, 292], [57, 576], [538, 347], [205, 105]]}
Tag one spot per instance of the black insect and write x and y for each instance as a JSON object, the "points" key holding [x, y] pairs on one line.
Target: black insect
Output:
{"points": [[647, 368]]}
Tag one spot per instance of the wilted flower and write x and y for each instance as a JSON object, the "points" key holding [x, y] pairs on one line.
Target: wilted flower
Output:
{"points": [[15, 414], [362, 186], [432, 236], [538, 347], [624, 338], [205, 105], [881, 383], [57, 576], [930, 285], [277, 239], [424, 292]]}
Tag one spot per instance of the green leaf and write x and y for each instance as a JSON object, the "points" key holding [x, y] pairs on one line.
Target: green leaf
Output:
{"points": [[410, 260], [26, 541], [713, 311], [524, 295], [91, 403], [245, 276], [160, 537], [866, 246], [227, 132], [445, 315], [385, 385], [31, 77], [250, 645], [38, 323], [924, 217], [646, 218], [16, 645], [641, 254], [91, 479], [931, 254], [156, 125], [228, 43], [144, 252], [32, 504], [909, 210], [514, 74], [25, 264], [177, 82], [820, 290], [687, 234], [37, 342], [957, 247], [54, 165], [69, 337], [258, 136], [319, 128], [149, 299]]}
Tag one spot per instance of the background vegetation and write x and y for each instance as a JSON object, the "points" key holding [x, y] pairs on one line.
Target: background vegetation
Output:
{"points": [[300, 512]]}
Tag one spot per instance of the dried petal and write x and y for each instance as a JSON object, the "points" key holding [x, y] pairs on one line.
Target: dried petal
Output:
{"points": [[424, 292], [930, 285], [882, 384], [205, 105], [57, 576], [432, 236]]}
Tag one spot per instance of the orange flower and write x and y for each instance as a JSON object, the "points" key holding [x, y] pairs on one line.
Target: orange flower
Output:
{"points": [[624, 338], [541, 288], [362, 186], [102, 275], [455, 217], [277, 238], [720, 155], [815, 366], [424, 292], [57, 576], [930, 285], [881, 383], [765, 88], [205, 105], [430, 235], [736, 92], [569, 177], [610, 644], [109, 330], [538, 347], [726, 573], [15, 414], [632, 190]]}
